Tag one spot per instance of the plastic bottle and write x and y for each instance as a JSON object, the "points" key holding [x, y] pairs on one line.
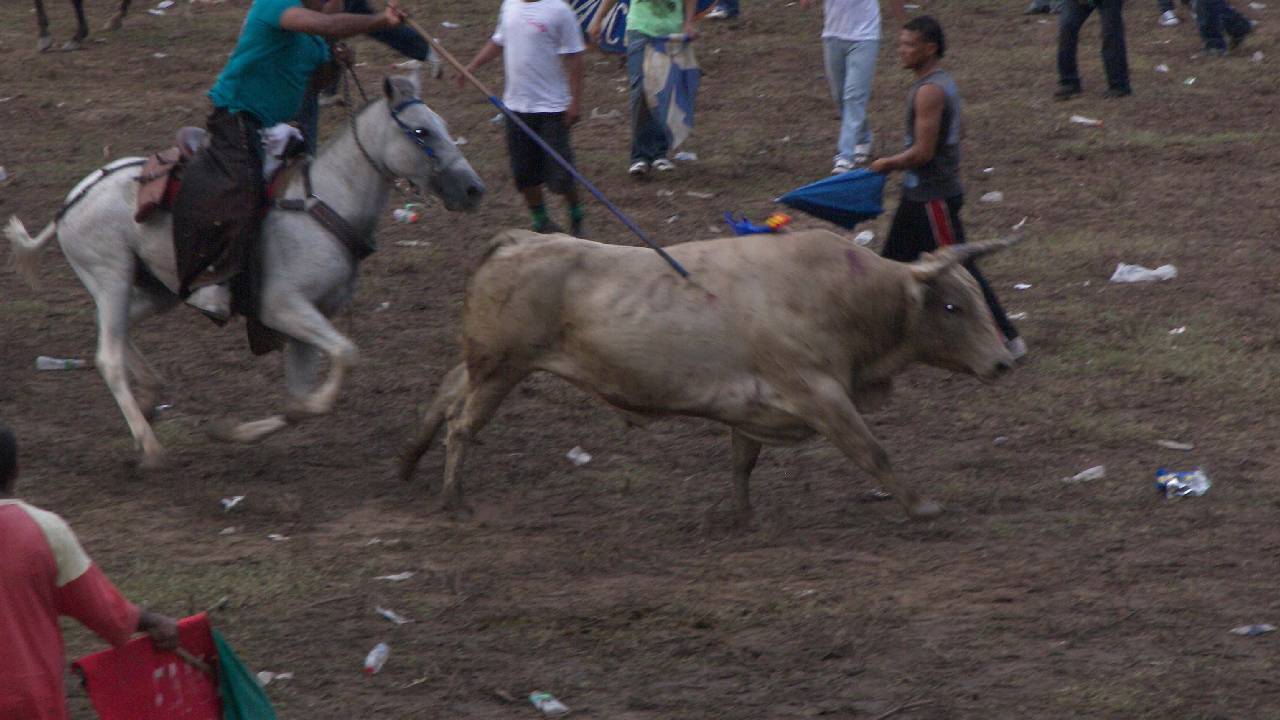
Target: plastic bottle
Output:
{"points": [[548, 704], [376, 658], [45, 362]]}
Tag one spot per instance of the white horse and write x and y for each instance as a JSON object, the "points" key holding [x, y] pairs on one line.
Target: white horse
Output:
{"points": [[308, 276]]}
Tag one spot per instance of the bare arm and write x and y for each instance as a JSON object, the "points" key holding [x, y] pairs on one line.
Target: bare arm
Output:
{"points": [[575, 67], [163, 630], [929, 103], [337, 26], [690, 9], [487, 53], [593, 30]]}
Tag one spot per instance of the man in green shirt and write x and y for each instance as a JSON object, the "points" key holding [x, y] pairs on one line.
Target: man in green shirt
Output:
{"points": [[647, 19], [217, 213]]}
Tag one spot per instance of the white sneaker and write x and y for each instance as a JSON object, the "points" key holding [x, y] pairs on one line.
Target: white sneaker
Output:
{"points": [[1168, 18], [663, 165], [638, 168], [842, 166], [717, 13], [1017, 347]]}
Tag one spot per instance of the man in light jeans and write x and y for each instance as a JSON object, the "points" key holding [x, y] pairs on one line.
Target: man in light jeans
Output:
{"points": [[851, 40]]}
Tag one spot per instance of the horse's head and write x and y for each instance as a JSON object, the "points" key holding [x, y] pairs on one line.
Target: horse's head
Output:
{"points": [[419, 148]]}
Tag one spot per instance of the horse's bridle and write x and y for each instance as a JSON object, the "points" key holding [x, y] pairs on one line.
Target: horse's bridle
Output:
{"points": [[411, 133]]}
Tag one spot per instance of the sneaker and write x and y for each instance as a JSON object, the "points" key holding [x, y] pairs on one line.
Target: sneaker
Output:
{"points": [[549, 227], [1117, 93], [718, 13], [663, 165], [1017, 347], [577, 228], [843, 165], [1169, 18], [1066, 92], [639, 168]]}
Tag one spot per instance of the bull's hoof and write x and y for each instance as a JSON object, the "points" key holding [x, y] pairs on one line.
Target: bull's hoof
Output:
{"points": [[454, 508], [44, 42], [151, 460], [71, 45], [115, 22], [925, 509]]}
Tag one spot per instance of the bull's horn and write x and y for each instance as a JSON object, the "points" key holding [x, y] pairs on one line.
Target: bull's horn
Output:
{"points": [[939, 262]]}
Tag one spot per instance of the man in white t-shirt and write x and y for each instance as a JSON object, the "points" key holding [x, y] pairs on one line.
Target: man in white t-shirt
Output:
{"points": [[542, 55], [851, 40]]}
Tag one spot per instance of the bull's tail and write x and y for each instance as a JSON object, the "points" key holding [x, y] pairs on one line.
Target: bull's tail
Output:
{"points": [[25, 253]]}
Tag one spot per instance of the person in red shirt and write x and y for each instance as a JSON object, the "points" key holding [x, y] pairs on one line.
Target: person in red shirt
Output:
{"points": [[45, 573]]}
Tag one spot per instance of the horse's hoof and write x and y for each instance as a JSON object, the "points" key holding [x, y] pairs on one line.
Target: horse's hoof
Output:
{"points": [[114, 23], [44, 43], [925, 509], [151, 461], [453, 508], [70, 45]]}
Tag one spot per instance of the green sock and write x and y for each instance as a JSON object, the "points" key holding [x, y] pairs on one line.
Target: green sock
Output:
{"points": [[540, 219], [577, 212]]}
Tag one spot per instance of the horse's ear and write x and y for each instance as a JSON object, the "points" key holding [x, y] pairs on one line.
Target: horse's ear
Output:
{"points": [[398, 89]]}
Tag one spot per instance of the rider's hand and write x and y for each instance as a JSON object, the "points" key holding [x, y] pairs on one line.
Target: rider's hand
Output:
{"points": [[343, 54], [392, 15]]}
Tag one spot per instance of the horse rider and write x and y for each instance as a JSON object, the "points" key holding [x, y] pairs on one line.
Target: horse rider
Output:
{"points": [[217, 214]]}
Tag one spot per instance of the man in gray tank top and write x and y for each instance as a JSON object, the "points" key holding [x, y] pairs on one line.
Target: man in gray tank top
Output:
{"points": [[928, 216]]}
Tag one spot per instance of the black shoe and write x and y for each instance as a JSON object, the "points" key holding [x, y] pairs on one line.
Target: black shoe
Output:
{"points": [[1117, 93], [547, 227], [1036, 9], [577, 228], [1066, 92], [1215, 52], [1237, 39]]}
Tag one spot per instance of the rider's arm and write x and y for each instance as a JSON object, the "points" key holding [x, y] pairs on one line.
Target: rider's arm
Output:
{"points": [[337, 26]]}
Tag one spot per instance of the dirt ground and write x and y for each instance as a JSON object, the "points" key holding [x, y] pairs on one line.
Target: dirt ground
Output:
{"points": [[606, 584]]}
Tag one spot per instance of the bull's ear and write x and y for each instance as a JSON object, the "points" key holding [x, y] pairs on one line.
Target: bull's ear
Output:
{"points": [[931, 265]]}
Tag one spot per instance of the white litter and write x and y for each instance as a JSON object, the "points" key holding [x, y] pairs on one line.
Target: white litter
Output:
{"points": [[1175, 445], [230, 502], [165, 4], [672, 219], [154, 11], [1190, 81], [1136, 273], [409, 64], [1253, 630], [988, 171], [1018, 316], [496, 119], [1094, 473], [266, 676], [785, 138], [1257, 57], [1257, 6], [450, 25], [1178, 330], [611, 115], [412, 243], [398, 577], [1162, 68], [229, 530], [1022, 286], [994, 196], [548, 704], [160, 56], [277, 537], [7, 99], [578, 456], [383, 306], [393, 616], [666, 193], [865, 237], [700, 195], [686, 156], [459, 141], [1082, 120]]}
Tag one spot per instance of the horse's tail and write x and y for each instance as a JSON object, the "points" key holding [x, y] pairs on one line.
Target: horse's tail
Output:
{"points": [[26, 249]]}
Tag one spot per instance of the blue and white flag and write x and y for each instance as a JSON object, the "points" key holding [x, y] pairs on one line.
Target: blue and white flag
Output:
{"points": [[671, 77]]}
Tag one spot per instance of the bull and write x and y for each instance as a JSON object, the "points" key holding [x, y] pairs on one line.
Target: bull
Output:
{"points": [[779, 338]]}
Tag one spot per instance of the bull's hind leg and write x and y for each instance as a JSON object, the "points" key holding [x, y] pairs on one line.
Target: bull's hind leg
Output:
{"points": [[746, 451], [825, 406], [467, 417], [451, 388]]}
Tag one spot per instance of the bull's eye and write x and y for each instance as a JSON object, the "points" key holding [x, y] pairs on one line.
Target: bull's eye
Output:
{"points": [[951, 308], [420, 132]]}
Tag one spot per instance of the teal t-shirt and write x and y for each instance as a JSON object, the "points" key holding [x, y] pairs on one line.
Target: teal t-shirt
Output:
{"points": [[268, 71], [656, 17]]}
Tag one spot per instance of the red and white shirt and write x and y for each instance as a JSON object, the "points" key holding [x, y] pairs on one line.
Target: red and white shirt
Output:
{"points": [[45, 573]]}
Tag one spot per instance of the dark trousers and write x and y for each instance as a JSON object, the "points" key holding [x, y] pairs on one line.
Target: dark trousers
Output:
{"points": [[921, 227], [1213, 17], [217, 213], [1114, 56]]}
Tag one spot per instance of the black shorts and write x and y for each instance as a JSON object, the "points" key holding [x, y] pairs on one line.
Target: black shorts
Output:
{"points": [[529, 163], [921, 227]]}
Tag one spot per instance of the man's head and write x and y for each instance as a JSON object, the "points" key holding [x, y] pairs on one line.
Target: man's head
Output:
{"points": [[8, 460], [921, 43]]}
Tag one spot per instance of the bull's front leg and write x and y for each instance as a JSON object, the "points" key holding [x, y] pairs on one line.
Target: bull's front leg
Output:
{"points": [[824, 404], [746, 451]]}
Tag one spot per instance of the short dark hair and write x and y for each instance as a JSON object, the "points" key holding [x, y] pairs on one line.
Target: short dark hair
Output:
{"points": [[930, 31], [8, 456]]}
